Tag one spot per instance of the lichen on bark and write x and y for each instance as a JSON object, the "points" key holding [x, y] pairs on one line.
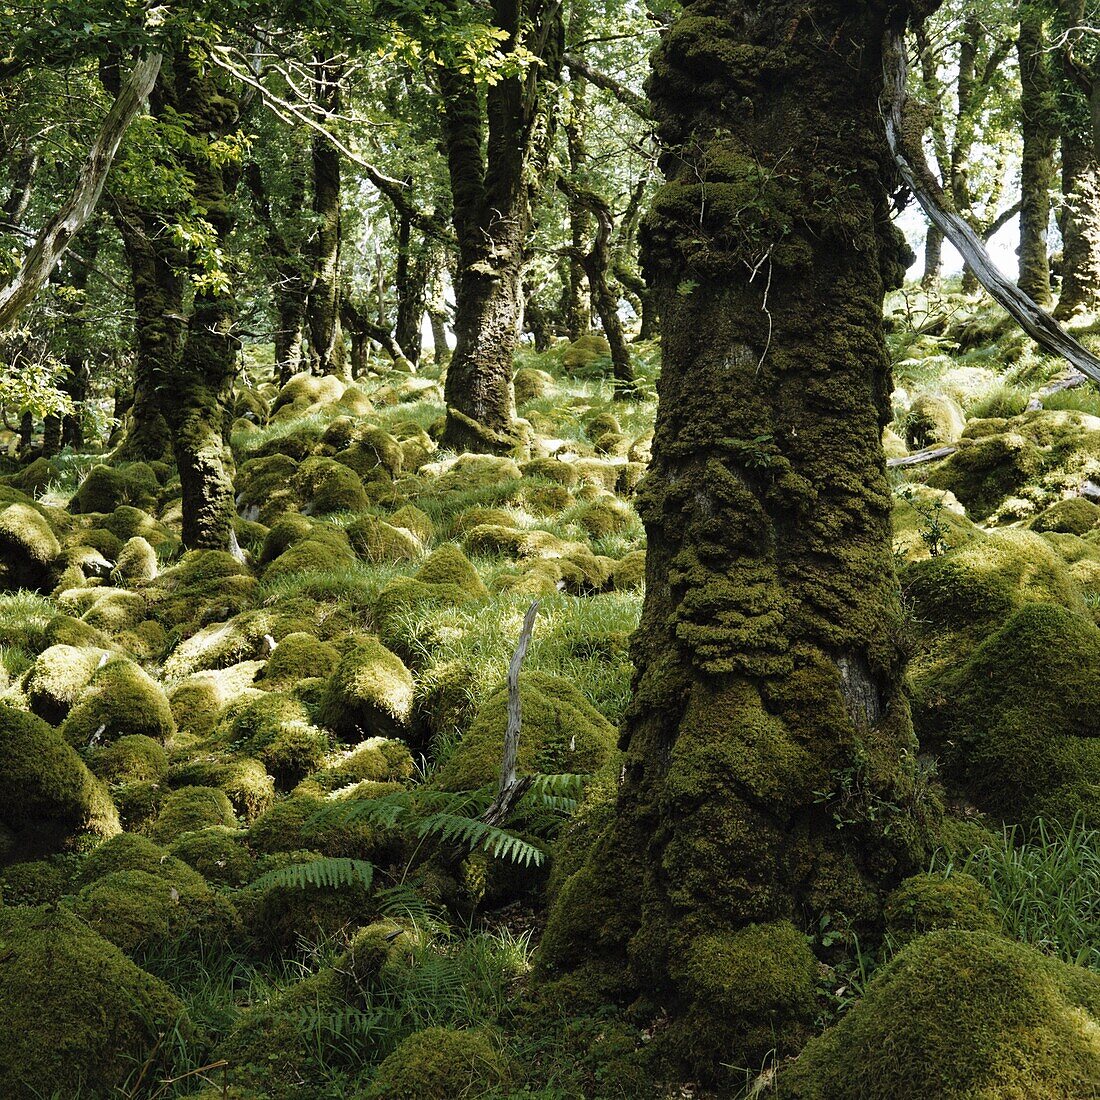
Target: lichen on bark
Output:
{"points": [[771, 776]]}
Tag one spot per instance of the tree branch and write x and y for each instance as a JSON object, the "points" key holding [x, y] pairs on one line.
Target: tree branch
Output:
{"points": [[626, 96]]}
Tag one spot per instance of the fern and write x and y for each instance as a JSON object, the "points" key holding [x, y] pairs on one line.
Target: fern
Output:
{"points": [[477, 834], [329, 873]]}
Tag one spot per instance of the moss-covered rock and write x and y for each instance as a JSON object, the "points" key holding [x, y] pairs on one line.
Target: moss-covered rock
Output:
{"points": [[137, 562], [104, 488], [192, 808], [298, 656], [309, 389], [439, 1064], [205, 586], [121, 700], [371, 692], [265, 488], [933, 420], [197, 700], [562, 732], [48, 798], [323, 549], [218, 854], [38, 881], [375, 540], [134, 758], [472, 472], [28, 547], [329, 486], [373, 454], [238, 641], [133, 852], [57, 678], [606, 516], [585, 353], [629, 573], [297, 824], [960, 1015], [1074, 516], [251, 790], [376, 760], [530, 384], [76, 1016], [928, 902]]}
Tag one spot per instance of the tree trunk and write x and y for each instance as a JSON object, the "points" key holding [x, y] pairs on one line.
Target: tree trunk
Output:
{"points": [[770, 777], [328, 354], [413, 272], [933, 257], [492, 193], [1038, 127]]}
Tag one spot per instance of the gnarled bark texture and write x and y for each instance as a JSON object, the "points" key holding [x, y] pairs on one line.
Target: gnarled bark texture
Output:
{"points": [[770, 775]]}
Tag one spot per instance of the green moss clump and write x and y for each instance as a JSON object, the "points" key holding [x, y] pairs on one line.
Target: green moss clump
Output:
{"points": [[133, 852], [439, 1064], [217, 853], [34, 478], [449, 566], [376, 760], [629, 573], [104, 488], [57, 678], [374, 540], [28, 547], [373, 453], [204, 587], [329, 486], [197, 701], [265, 488], [472, 472], [960, 1015], [413, 519], [137, 562], [928, 902], [933, 420], [121, 700], [105, 1016], [250, 788], [1075, 516], [299, 656], [131, 759], [48, 798], [309, 389], [562, 732], [138, 912], [294, 825], [238, 641], [284, 533], [277, 729], [606, 516], [324, 548], [371, 692], [585, 352], [109, 609], [192, 808], [530, 384], [985, 470], [37, 882]]}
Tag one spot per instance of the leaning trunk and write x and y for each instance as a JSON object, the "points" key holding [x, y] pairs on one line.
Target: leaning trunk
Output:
{"points": [[768, 700]]}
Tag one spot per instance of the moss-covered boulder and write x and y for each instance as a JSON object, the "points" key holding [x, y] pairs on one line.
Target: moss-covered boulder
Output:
{"points": [[298, 823], [192, 808], [204, 587], [265, 488], [929, 902], [933, 420], [376, 760], [77, 1018], [131, 759], [299, 656], [329, 486], [121, 700], [48, 799], [246, 781], [58, 677], [562, 732], [440, 1064], [323, 549], [960, 1016], [104, 488], [133, 852], [371, 692], [1073, 516], [217, 853], [28, 547], [137, 562], [197, 701], [375, 540], [585, 353]]}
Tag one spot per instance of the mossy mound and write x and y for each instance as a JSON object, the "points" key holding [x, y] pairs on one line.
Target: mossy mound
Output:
{"points": [[309, 389], [585, 353], [298, 824], [192, 808], [217, 853], [371, 692], [440, 1064], [28, 547], [104, 488], [204, 587], [377, 760], [324, 548], [606, 516], [276, 729], [38, 881], [121, 700], [131, 759], [243, 638], [246, 782], [139, 912], [299, 656], [373, 454], [1017, 724], [77, 1018], [137, 562], [197, 700], [58, 677], [561, 732], [930, 902], [928, 522], [265, 488], [48, 798], [133, 852], [933, 420], [472, 472], [960, 1015], [375, 540], [329, 486], [1075, 516]]}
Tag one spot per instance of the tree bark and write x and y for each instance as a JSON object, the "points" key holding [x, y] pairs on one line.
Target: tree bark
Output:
{"points": [[768, 683], [413, 272], [492, 193], [1038, 128], [933, 257], [328, 354]]}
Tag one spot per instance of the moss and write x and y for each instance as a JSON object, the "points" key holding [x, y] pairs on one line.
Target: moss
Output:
{"points": [[265, 488], [324, 548], [1027, 693], [960, 1014], [377, 760], [552, 470], [37, 882], [629, 573], [238, 641], [476, 471], [439, 1064], [298, 657], [137, 562], [48, 798], [139, 912], [192, 808], [309, 389], [561, 732], [585, 352], [606, 516], [449, 566], [413, 519], [198, 700], [104, 488], [251, 790], [371, 692], [373, 453], [547, 500], [217, 853], [277, 729], [131, 852], [928, 902], [1075, 516], [205, 586], [105, 1016], [111, 610], [284, 533], [376, 541], [933, 420], [293, 824], [28, 547], [57, 678], [924, 520], [34, 478], [530, 384], [131, 759], [329, 486], [121, 700]]}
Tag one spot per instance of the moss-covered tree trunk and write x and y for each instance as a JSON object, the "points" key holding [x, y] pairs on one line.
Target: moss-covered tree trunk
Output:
{"points": [[770, 779], [495, 159], [1038, 128], [412, 275], [933, 257]]}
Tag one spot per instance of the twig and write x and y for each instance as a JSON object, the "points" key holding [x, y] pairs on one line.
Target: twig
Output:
{"points": [[511, 790]]}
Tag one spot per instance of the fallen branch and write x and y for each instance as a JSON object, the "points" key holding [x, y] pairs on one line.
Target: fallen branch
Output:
{"points": [[930, 454], [55, 236], [510, 789], [904, 131]]}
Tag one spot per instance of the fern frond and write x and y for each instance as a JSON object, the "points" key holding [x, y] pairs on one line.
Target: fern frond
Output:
{"points": [[477, 834], [320, 873]]}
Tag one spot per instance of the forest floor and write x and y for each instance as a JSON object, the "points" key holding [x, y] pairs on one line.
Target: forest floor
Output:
{"points": [[246, 793]]}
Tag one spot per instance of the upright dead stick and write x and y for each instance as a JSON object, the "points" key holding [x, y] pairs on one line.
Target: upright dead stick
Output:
{"points": [[510, 790]]}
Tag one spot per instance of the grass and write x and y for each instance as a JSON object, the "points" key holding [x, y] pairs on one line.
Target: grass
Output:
{"points": [[1084, 399]]}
